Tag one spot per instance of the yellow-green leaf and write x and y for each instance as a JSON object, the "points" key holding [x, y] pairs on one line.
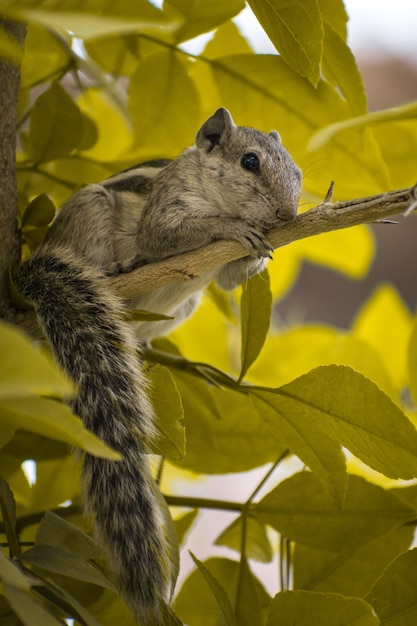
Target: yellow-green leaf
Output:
{"points": [[54, 420], [28, 608], [352, 411], [385, 323], [161, 91], [296, 30], [145, 316], [311, 444], [40, 211], [340, 65], [257, 544], [58, 532], [8, 513], [183, 525], [201, 16], [195, 598], [166, 401], [393, 596], [11, 574], [412, 362], [248, 603], [60, 561], [255, 316], [239, 441], [299, 608], [25, 370], [227, 40], [114, 130], [93, 18], [56, 125], [403, 112], [349, 572], [218, 592], [44, 55], [301, 510]]}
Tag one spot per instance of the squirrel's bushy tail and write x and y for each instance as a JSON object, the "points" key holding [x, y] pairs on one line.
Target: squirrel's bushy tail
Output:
{"points": [[83, 325]]}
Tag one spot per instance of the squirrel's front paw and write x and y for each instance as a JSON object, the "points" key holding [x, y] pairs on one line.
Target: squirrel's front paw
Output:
{"points": [[255, 242]]}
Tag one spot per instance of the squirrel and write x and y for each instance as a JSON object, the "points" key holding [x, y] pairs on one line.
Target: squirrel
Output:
{"points": [[235, 183]]}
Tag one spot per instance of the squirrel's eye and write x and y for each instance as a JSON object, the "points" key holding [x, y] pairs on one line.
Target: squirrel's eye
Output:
{"points": [[250, 162]]}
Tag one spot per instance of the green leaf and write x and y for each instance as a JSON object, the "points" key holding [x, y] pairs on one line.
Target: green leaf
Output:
{"points": [[120, 54], [302, 510], [70, 606], [183, 525], [257, 544], [145, 316], [94, 19], [160, 91], [54, 420], [248, 604], [222, 300], [335, 14], [197, 17], [166, 401], [349, 572], [340, 65], [355, 413], [304, 435], [57, 481], [25, 370], [11, 574], [412, 362], [403, 112], [218, 592], [298, 608], [239, 441], [44, 56], [196, 603], [8, 512], [296, 30], [28, 608], [394, 595], [60, 561], [385, 323], [255, 315], [57, 532], [56, 125], [227, 40], [40, 211]]}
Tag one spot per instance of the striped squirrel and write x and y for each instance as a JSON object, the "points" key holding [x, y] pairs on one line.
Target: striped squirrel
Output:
{"points": [[234, 183]]}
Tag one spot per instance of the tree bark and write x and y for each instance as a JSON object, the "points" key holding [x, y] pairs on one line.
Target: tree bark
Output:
{"points": [[9, 235]]}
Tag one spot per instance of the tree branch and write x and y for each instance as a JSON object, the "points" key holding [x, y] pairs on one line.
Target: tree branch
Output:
{"points": [[323, 218]]}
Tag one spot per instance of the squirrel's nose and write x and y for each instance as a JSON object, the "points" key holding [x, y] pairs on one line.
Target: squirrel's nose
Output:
{"points": [[285, 213]]}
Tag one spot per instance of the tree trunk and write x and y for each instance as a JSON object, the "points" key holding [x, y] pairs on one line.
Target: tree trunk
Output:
{"points": [[9, 236]]}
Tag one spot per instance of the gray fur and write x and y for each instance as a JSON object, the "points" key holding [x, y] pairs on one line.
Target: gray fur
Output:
{"points": [[139, 216]]}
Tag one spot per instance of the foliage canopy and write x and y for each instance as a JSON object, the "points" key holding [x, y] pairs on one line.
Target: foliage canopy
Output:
{"points": [[105, 85]]}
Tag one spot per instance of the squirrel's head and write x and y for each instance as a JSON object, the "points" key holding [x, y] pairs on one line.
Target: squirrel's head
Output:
{"points": [[249, 169]]}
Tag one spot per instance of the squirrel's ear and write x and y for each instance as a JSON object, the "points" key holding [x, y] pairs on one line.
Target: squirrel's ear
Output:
{"points": [[216, 128], [275, 135]]}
